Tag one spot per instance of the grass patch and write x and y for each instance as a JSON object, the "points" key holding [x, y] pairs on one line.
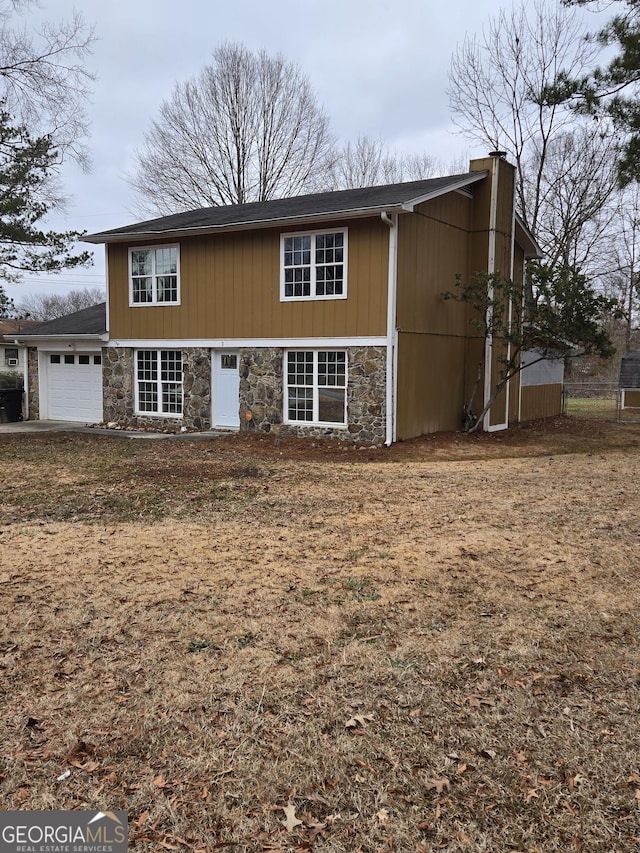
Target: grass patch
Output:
{"points": [[234, 675]]}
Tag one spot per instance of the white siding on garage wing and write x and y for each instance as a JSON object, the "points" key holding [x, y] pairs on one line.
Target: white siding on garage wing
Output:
{"points": [[536, 371], [72, 386]]}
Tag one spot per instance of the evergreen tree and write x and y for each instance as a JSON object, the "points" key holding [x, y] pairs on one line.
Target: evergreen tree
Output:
{"points": [[26, 168], [611, 90]]}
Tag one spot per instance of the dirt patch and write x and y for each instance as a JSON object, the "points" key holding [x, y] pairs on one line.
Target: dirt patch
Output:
{"points": [[258, 644]]}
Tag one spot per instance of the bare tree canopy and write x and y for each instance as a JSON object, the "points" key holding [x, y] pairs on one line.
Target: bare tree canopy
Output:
{"points": [[247, 128], [42, 306], [565, 164], [44, 82], [367, 163]]}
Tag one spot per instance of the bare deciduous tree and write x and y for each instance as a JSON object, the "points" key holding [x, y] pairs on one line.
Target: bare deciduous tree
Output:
{"points": [[368, 162], [42, 306], [44, 82], [621, 281], [247, 128], [497, 86], [577, 196]]}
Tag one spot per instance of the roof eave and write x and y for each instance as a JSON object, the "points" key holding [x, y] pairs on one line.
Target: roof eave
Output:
{"points": [[40, 339], [173, 233], [526, 240], [410, 205]]}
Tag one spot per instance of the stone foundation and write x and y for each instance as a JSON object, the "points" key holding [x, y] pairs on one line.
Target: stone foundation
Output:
{"points": [[261, 389], [261, 394], [196, 388], [117, 385]]}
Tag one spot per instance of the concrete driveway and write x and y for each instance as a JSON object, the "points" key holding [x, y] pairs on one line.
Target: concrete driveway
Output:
{"points": [[74, 426], [40, 426]]}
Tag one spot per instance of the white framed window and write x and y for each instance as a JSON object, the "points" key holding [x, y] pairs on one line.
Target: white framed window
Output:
{"points": [[158, 382], [313, 265], [316, 387], [154, 275], [11, 356]]}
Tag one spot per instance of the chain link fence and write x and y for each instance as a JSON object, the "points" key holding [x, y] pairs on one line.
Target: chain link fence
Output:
{"points": [[600, 401]]}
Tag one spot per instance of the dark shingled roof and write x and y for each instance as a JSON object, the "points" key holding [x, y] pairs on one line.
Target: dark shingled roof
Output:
{"points": [[630, 370], [302, 207], [11, 328], [88, 321]]}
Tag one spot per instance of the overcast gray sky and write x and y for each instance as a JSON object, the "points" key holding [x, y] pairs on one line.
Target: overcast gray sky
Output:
{"points": [[379, 68]]}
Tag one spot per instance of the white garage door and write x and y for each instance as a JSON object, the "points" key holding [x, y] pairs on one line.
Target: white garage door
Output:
{"points": [[74, 387]]}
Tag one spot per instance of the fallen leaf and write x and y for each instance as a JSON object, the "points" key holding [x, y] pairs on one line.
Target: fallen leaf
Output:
{"points": [[383, 817], [358, 720], [292, 821], [438, 784]]}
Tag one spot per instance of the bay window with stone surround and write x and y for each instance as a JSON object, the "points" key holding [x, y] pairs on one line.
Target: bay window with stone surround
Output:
{"points": [[316, 387], [158, 387]]}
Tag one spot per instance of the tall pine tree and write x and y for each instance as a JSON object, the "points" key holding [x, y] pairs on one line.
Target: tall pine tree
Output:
{"points": [[26, 169]]}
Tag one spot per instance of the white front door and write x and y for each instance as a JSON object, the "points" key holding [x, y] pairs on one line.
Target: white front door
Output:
{"points": [[226, 387]]}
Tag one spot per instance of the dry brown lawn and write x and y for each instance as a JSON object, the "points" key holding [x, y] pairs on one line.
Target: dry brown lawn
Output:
{"points": [[261, 645]]}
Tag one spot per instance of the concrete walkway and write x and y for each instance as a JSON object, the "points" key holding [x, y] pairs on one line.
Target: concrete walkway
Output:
{"points": [[74, 426]]}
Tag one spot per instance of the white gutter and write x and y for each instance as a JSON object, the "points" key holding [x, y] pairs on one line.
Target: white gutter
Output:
{"points": [[392, 332], [149, 233], [61, 339], [250, 225]]}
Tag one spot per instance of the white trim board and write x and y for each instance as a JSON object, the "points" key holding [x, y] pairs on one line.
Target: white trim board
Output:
{"points": [[253, 343]]}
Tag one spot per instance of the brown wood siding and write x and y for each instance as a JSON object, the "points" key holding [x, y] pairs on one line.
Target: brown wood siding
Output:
{"points": [[514, 399], [431, 384], [433, 247], [230, 288], [540, 401]]}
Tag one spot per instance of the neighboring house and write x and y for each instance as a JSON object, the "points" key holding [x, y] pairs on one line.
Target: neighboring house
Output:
{"points": [[316, 315], [64, 376], [629, 383], [12, 353]]}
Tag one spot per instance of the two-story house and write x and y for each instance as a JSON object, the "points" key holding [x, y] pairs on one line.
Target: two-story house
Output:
{"points": [[315, 315]]}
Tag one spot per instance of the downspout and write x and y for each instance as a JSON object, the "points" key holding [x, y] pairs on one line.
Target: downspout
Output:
{"points": [[106, 283], [392, 332]]}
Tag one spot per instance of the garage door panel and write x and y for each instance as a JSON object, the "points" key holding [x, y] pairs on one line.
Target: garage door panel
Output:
{"points": [[74, 390]]}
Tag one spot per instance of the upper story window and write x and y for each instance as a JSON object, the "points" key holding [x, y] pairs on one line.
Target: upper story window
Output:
{"points": [[314, 266], [154, 276]]}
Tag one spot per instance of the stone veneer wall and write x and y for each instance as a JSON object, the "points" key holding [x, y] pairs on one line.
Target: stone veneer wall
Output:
{"points": [[262, 395], [117, 385], [196, 387], [33, 377], [119, 391]]}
